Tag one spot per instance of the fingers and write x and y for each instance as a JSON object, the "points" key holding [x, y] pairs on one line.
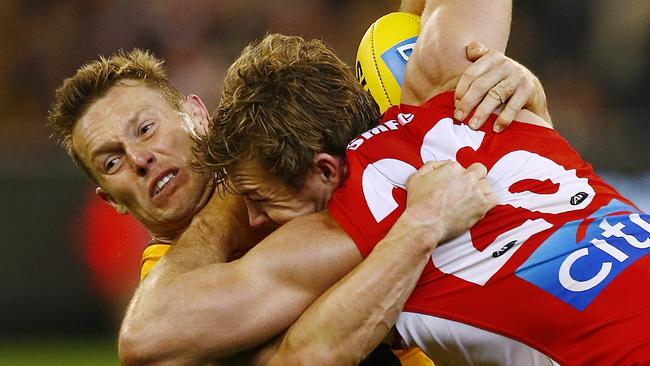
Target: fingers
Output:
{"points": [[494, 81], [475, 50], [514, 92], [430, 166], [478, 79], [478, 170], [495, 97], [432, 174], [514, 105]]}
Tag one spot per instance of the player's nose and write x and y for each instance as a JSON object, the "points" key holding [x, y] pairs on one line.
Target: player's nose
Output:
{"points": [[140, 159], [256, 216]]}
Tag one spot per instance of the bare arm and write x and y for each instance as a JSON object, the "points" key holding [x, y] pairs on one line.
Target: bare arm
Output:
{"points": [[490, 82], [447, 27], [412, 6], [352, 317], [182, 314], [243, 303]]}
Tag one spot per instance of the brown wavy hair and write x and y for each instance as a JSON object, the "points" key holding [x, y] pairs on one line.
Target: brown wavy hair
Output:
{"points": [[284, 100], [92, 81]]}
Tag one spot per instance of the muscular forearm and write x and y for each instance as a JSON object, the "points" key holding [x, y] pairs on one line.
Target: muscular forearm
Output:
{"points": [[360, 310], [352, 317], [222, 308], [166, 301]]}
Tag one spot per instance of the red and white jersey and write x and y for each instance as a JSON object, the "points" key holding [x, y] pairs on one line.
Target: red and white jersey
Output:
{"points": [[560, 264]]}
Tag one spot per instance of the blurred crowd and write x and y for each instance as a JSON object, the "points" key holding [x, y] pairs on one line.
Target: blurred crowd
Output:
{"points": [[591, 55]]}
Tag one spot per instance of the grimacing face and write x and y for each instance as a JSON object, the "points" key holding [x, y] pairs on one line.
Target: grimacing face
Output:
{"points": [[139, 149], [268, 199]]}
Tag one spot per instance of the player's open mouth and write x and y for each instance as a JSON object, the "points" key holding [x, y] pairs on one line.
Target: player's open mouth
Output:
{"points": [[163, 182]]}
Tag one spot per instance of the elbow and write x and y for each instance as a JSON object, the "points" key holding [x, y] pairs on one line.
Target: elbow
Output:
{"points": [[142, 345], [145, 338], [137, 347], [130, 350]]}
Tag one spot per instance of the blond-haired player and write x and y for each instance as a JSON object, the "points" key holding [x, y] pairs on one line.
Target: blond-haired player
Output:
{"points": [[132, 137]]}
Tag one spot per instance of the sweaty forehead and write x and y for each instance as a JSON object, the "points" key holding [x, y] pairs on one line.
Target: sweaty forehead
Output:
{"points": [[108, 115], [246, 176], [250, 177]]}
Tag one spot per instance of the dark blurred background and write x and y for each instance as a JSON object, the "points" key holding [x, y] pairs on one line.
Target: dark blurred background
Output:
{"points": [[67, 264]]}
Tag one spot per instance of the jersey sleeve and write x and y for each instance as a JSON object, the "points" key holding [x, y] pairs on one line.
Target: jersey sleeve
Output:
{"points": [[349, 208], [345, 218], [369, 202], [150, 258]]}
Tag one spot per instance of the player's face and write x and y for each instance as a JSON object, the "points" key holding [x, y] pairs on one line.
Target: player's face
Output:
{"points": [[268, 199], [138, 147]]}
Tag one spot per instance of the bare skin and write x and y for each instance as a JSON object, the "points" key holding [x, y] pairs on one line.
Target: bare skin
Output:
{"points": [[302, 277], [222, 326], [131, 140], [220, 236]]}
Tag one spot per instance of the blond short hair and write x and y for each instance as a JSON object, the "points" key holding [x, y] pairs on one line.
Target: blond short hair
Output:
{"points": [[285, 100], [93, 80]]}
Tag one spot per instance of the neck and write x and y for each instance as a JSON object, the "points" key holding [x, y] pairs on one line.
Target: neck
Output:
{"points": [[168, 239], [171, 234]]}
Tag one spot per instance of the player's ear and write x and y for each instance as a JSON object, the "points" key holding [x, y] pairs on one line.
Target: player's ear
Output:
{"points": [[111, 201], [198, 113], [330, 168]]}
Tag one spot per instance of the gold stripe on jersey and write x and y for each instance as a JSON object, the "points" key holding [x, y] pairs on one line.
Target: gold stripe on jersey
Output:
{"points": [[150, 257]]}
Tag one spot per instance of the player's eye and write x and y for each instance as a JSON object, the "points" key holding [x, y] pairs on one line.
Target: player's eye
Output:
{"points": [[111, 164], [146, 128]]}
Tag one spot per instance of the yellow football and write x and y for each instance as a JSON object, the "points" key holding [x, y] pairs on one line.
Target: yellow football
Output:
{"points": [[382, 56]]}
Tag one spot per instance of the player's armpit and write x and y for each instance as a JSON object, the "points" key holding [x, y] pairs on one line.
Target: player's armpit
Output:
{"points": [[222, 308]]}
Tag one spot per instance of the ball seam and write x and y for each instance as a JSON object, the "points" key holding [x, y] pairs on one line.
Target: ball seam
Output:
{"points": [[374, 60]]}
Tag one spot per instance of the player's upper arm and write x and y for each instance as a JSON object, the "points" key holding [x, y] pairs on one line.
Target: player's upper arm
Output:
{"points": [[291, 268], [222, 308], [446, 28], [267, 289]]}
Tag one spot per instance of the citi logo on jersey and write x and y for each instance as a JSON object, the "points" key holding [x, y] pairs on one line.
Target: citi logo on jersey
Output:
{"points": [[397, 56], [584, 268]]}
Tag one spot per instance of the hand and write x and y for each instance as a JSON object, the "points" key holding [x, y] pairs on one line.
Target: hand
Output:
{"points": [[447, 199], [495, 81]]}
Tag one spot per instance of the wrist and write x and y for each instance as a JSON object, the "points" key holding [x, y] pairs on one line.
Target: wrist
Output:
{"points": [[418, 233]]}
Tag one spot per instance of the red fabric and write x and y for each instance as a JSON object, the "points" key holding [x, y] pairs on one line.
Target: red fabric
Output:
{"points": [[610, 328]]}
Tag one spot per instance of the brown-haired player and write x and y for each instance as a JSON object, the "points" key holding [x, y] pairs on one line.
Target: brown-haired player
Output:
{"points": [[134, 140], [555, 272]]}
